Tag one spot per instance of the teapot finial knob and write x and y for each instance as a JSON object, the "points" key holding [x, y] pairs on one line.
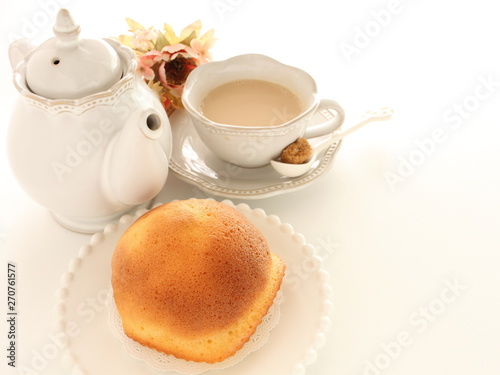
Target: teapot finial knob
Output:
{"points": [[66, 29]]}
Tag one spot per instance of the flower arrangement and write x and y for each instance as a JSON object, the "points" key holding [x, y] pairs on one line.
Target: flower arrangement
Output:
{"points": [[164, 60]]}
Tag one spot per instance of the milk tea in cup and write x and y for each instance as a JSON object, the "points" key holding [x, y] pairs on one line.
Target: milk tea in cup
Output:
{"points": [[251, 102], [248, 108]]}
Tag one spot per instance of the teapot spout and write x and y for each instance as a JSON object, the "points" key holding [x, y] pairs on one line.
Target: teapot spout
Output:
{"points": [[136, 165], [18, 50]]}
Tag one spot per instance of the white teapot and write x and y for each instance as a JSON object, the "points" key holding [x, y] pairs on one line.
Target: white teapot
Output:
{"points": [[88, 139]]}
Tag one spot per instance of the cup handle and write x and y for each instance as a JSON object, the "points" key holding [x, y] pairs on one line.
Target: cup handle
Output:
{"points": [[332, 123]]}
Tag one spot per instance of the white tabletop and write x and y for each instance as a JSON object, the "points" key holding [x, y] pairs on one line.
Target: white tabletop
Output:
{"points": [[405, 220]]}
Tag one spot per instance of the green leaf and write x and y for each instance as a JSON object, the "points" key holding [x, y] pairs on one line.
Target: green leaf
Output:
{"points": [[161, 42], [133, 25], [189, 38]]}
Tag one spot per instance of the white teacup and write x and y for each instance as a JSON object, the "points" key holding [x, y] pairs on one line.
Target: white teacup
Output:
{"points": [[256, 146]]}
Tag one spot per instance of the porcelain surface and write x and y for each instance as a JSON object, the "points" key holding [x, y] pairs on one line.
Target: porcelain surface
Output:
{"points": [[304, 318], [256, 146], [194, 163], [91, 159]]}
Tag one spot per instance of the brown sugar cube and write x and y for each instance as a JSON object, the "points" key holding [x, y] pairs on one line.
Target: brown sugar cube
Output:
{"points": [[297, 152]]}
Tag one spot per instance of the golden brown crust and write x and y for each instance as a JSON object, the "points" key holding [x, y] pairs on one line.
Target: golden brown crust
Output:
{"points": [[188, 273]]}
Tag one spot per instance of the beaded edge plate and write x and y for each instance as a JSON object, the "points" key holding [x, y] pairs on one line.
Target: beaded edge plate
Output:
{"points": [[91, 348], [193, 163]]}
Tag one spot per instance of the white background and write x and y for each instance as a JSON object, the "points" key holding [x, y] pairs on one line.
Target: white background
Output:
{"points": [[392, 249]]}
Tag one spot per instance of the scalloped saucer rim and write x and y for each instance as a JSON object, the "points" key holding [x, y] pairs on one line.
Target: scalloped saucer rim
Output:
{"points": [[84, 294], [193, 163]]}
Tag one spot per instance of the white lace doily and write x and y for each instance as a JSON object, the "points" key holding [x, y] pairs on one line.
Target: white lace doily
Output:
{"points": [[165, 362]]}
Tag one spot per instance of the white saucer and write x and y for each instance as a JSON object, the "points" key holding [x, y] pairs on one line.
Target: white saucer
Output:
{"points": [[193, 162], [91, 348]]}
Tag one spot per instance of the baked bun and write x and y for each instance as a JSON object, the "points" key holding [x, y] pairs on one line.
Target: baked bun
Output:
{"points": [[194, 279]]}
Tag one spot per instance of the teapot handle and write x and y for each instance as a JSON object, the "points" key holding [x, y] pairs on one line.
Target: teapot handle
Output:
{"points": [[18, 51]]}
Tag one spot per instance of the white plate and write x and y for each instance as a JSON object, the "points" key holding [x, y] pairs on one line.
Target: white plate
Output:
{"points": [[164, 362], [193, 162], [92, 349]]}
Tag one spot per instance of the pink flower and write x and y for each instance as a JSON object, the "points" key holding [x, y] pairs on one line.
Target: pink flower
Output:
{"points": [[171, 52], [142, 39], [202, 46], [174, 73], [165, 60], [145, 71], [145, 64], [177, 62]]}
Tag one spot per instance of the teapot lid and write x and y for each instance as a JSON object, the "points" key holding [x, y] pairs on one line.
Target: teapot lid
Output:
{"points": [[67, 67]]}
